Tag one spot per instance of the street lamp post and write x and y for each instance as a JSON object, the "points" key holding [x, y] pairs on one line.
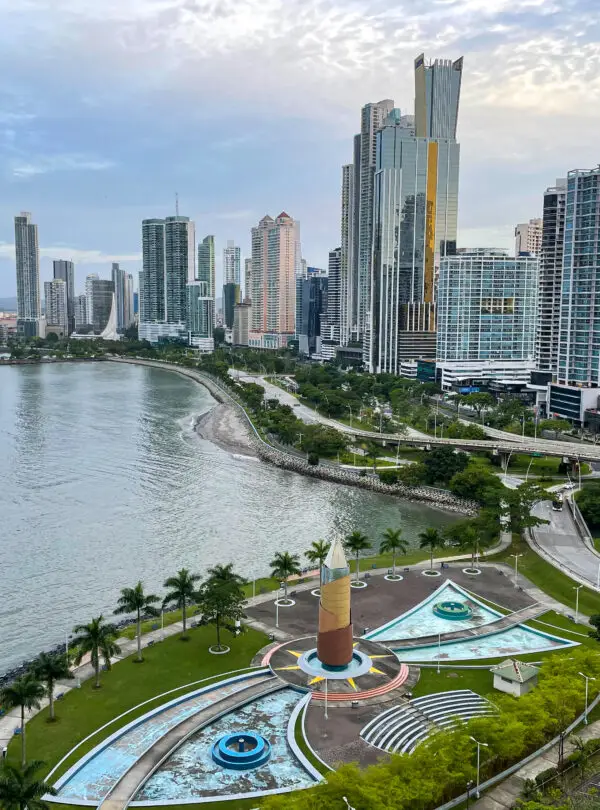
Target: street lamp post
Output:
{"points": [[326, 696], [516, 556], [577, 588], [587, 681], [479, 745], [277, 612], [598, 579], [439, 651], [506, 468], [348, 805], [528, 468], [469, 787]]}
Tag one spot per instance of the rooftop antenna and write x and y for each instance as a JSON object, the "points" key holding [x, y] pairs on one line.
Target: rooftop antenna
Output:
{"points": [[177, 203]]}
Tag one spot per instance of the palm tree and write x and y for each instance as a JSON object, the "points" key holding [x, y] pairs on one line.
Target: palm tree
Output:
{"points": [[134, 600], [26, 693], [19, 788], [392, 544], [182, 589], [357, 542], [49, 669], [98, 639], [431, 539], [283, 565], [316, 554], [225, 573]]}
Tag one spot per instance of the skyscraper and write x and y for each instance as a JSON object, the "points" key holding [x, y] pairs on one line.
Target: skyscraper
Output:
{"points": [[486, 310], [153, 262], [65, 270], [415, 218], [55, 299], [528, 237], [347, 320], [372, 117], [206, 264], [579, 335], [248, 279], [89, 295], [180, 265], [275, 263], [231, 297], [80, 310], [231, 264], [550, 280], [28, 276], [314, 307], [331, 318], [100, 295], [200, 316], [118, 279]]}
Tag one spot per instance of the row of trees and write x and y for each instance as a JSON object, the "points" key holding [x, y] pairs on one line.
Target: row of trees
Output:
{"points": [[219, 599]]}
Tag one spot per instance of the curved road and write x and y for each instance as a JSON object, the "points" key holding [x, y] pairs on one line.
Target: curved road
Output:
{"points": [[560, 543]]}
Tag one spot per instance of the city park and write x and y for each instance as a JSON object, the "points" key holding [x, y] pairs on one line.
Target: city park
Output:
{"points": [[394, 685], [416, 678]]}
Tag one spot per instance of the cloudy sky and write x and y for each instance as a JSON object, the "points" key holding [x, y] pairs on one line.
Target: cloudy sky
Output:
{"points": [[247, 107]]}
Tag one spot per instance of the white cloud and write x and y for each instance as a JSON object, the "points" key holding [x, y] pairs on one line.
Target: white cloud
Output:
{"points": [[44, 164], [77, 255]]}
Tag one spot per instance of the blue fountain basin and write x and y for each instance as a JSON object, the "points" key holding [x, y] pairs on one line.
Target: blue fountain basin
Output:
{"points": [[242, 751]]}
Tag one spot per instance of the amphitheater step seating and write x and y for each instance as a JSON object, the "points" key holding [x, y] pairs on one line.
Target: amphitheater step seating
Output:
{"points": [[402, 727]]}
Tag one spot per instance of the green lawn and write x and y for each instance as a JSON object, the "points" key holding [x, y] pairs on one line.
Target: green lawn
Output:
{"points": [[548, 578], [479, 680], [170, 664]]}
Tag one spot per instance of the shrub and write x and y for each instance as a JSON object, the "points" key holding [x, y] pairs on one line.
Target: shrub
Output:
{"points": [[313, 459]]}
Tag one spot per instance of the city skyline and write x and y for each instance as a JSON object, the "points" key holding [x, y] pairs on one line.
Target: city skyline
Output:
{"points": [[56, 130]]}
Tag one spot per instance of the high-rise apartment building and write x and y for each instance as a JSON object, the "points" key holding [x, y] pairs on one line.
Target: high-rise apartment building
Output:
{"points": [[56, 303], [331, 318], [231, 264], [486, 312], [28, 276], [89, 295], [153, 308], [80, 311], [123, 282], [169, 264], [415, 215], [241, 324], [348, 284], [579, 335], [275, 264], [100, 297], [206, 264], [371, 119], [200, 316], [550, 281], [248, 279], [65, 270], [528, 237], [314, 308], [231, 297], [180, 265]]}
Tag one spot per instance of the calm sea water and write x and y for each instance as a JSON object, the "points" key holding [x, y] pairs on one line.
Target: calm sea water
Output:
{"points": [[103, 482]]}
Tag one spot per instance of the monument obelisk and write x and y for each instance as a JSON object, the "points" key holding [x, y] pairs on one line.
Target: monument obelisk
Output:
{"points": [[334, 639]]}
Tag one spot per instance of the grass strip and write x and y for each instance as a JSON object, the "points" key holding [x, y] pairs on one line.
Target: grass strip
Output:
{"points": [[171, 664]]}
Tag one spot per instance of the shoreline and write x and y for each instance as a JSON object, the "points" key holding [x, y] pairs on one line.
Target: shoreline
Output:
{"points": [[222, 426], [243, 427]]}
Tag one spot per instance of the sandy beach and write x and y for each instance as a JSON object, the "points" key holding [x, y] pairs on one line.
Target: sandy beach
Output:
{"points": [[223, 426]]}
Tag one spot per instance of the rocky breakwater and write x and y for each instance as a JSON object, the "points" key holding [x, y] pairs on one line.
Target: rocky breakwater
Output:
{"points": [[288, 461]]}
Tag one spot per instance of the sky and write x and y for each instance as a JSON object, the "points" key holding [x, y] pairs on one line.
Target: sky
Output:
{"points": [[248, 107]]}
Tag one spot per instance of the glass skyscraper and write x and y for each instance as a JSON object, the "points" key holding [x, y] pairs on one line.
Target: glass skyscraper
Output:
{"points": [[28, 276], [579, 333]]}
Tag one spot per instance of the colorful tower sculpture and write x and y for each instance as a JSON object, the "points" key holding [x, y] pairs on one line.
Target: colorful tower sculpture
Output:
{"points": [[334, 640]]}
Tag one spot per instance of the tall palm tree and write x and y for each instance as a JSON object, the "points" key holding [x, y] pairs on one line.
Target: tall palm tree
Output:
{"points": [[182, 588], [20, 789], [316, 554], [225, 573], [49, 669], [98, 639], [357, 542], [392, 544], [134, 600], [431, 539], [26, 693], [283, 565]]}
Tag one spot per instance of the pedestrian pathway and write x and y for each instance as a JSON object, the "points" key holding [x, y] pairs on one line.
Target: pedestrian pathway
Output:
{"points": [[504, 795]]}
